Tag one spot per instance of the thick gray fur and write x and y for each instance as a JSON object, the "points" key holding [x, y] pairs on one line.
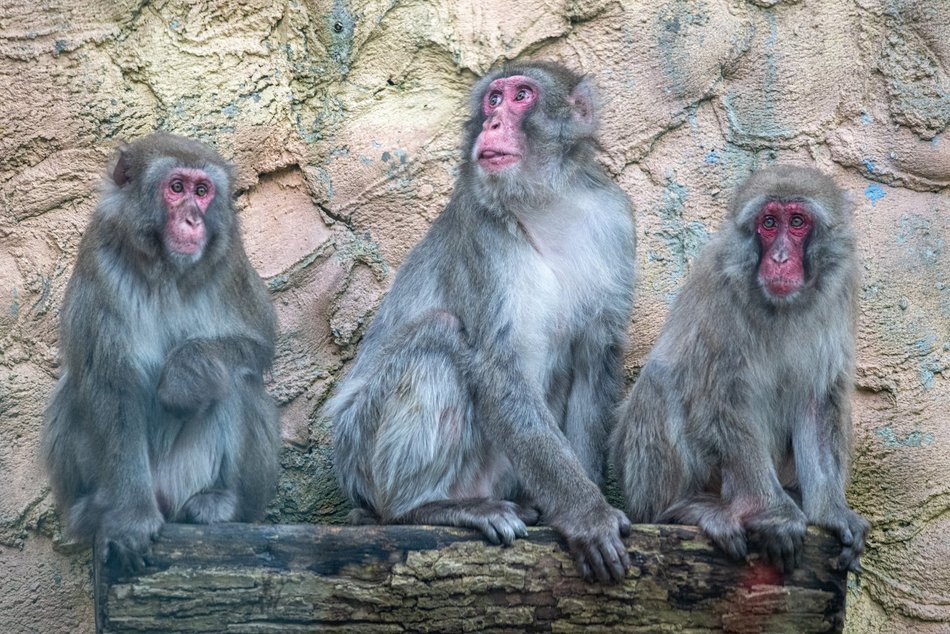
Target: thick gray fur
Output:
{"points": [[485, 387], [745, 395], [160, 413]]}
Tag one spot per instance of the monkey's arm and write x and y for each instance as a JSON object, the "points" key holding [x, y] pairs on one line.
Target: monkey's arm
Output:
{"points": [[517, 417], [821, 447], [594, 394], [755, 501], [197, 372], [110, 421]]}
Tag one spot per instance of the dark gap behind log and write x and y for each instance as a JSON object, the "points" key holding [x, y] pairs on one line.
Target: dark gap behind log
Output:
{"points": [[302, 578]]}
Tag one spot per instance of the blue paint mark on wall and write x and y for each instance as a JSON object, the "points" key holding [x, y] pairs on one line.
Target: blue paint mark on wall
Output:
{"points": [[866, 118], [935, 141], [915, 439], [712, 157], [928, 374], [874, 193], [869, 165]]}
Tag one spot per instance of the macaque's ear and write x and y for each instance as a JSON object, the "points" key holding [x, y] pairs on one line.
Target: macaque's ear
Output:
{"points": [[583, 101], [120, 173]]}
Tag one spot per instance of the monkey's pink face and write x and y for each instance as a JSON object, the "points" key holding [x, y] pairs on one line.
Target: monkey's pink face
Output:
{"points": [[187, 193], [783, 229], [501, 143]]}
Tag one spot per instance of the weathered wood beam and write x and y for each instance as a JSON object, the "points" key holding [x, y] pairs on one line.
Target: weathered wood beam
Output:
{"points": [[300, 578]]}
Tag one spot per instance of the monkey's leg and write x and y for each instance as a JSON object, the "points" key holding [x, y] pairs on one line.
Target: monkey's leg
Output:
{"points": [[653, 471], [241, 435], [752, 503], [753, 494], [430, 464], [821, 466], [99, 467], [593, 394]]}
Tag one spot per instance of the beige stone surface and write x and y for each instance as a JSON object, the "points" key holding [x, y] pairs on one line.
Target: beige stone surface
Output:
{"points": [[342, 119]]}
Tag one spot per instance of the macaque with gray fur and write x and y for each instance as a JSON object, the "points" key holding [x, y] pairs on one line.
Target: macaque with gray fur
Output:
{"points": [[485, 387], [160, 412], [745, 400]]}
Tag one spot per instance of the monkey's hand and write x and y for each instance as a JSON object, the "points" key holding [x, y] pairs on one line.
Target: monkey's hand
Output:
{"points": [[594, 537], [780, 533], [852, 530], [193, 378], [126, 535]]}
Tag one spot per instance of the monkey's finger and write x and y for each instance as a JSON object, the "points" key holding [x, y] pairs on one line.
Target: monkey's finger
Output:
{"points": [[845, 535], [788, 560], [492, 535], [623, 524], [488, 530], [854, 563], [733, 544], [618, 560], [583, 567], [521, 530], [507, 529], [596, 561]]}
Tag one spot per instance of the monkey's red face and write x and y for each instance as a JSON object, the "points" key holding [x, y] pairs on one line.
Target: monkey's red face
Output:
{"points": [[187, 193], [501, 143], [783, 229]]}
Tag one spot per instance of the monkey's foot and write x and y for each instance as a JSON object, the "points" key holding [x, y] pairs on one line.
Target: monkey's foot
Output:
{"points": [[727, 533], [500, 521], [362, 517], [780, 534], [720, 523], [209, 507]]}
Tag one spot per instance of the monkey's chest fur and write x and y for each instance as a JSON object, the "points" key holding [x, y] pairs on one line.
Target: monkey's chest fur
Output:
{"points": [[178, 469], [560, 282], [790, 379]]}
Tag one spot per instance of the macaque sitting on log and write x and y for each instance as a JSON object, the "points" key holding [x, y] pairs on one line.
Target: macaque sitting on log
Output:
{"points": [[160, 413], [740, 421], [484, 390]]}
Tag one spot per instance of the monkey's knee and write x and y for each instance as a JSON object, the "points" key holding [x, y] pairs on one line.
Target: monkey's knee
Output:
{"points": [[447, 320]]}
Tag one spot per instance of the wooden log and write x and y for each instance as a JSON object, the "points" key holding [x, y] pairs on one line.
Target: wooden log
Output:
{"points": [[301, 578]]}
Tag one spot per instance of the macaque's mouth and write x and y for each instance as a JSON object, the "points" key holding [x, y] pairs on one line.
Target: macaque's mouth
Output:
{"points": [[492, 160], [780, 287], [185, 247]]}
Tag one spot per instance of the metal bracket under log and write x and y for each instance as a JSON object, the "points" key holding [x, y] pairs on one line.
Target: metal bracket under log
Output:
{"points": [[302, 577]]}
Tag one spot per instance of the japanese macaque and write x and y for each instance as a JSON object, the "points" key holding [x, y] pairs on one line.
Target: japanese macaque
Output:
{"points": [[160, 413], [743, 407], [485, 388]]}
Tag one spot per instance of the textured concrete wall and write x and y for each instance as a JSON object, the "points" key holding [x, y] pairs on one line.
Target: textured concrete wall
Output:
{"points": [[343, 120]]}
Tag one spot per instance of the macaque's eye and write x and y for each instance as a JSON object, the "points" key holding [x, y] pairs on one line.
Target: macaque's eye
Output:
{"points": [[494, 99], [524, 94], [769, 222], [177, 187], [201, 190], [797, 221]]}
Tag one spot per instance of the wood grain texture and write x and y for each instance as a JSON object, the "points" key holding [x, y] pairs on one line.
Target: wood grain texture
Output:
{"points": [[300, 578]]}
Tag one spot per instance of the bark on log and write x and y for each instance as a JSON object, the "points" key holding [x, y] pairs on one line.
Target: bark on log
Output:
{"points": [[301, 578]]}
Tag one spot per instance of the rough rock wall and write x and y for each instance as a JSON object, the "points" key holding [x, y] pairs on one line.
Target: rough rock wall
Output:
{"points": [[343, 117]]}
